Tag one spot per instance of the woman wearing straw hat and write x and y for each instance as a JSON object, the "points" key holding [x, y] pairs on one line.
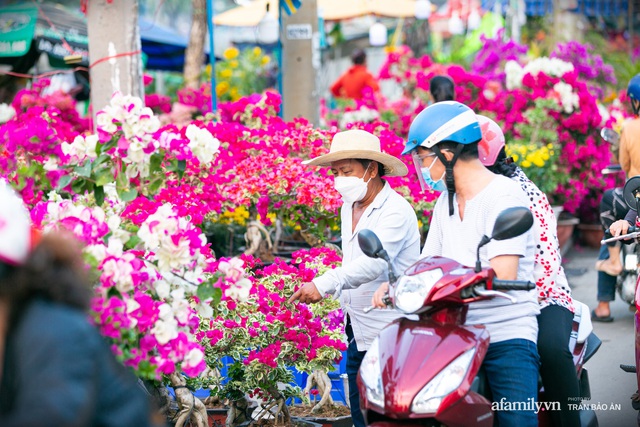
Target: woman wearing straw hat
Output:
{"points": [[358, 165]]}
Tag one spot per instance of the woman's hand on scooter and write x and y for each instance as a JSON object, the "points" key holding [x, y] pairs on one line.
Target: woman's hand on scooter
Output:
{"points": [[380, 296], [619, 228]]}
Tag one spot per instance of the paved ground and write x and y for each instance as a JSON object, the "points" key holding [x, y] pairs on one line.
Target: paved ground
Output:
{"points": [[610, 386]]}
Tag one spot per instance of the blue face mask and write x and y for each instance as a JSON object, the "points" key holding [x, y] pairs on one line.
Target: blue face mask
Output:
{"points": [[438, 185]]}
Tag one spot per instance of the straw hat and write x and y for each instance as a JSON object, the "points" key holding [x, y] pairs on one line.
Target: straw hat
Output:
{"points": [[359, 144]]}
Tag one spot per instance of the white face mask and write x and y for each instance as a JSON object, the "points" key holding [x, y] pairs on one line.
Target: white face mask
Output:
{"points": [[351, 188]]}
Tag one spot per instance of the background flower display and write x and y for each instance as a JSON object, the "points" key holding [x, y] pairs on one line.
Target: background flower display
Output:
{"points": [[547, 99], [242, 73]]}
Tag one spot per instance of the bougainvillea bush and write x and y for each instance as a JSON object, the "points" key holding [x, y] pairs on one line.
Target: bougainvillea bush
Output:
{"points": [[263, 334], [137, 194]]}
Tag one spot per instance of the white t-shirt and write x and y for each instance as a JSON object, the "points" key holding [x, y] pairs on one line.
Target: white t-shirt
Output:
{"points": [[458, 239]]}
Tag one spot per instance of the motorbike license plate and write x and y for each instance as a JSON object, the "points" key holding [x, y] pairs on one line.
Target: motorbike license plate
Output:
{"points": [[630, 262]]}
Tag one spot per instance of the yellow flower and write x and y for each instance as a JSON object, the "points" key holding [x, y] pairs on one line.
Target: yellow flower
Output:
{"points": [[222, 88], [231, 53], [515, 157], [233, 64], [265, 60], [257, 51], [234, 94], [226, 73], [297, 227], [525, 164]]}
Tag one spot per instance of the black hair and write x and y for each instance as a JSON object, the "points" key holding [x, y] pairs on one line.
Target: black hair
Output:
{"points": [[358, 56], [366, 162], [442, 89], [504, 165], [54, 271], [469, 151]]}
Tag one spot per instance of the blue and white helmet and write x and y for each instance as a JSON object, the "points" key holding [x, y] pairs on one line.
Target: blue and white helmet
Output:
{"points": [[443, 121], [633, 89]]}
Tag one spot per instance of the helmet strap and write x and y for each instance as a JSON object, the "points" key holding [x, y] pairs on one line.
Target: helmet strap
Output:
{"points": [[448, 165], [635, 106]]}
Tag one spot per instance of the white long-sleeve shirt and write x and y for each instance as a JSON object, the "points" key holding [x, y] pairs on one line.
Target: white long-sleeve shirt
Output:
{"points": [[394, 221]]}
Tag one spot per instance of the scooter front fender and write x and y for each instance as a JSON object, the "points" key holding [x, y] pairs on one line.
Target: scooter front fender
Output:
{"points": [[412, 353]]}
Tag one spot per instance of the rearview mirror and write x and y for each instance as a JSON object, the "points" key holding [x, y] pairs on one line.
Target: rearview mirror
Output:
{"points": [[369, 243], [372, 247], [512, 222], [610, 135], [631, 192]]}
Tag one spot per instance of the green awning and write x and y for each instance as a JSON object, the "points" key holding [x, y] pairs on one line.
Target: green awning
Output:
{"points": [[17, 28]]}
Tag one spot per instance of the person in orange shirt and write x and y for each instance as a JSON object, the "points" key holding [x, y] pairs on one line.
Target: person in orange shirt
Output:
{"points": [[352, 83]]}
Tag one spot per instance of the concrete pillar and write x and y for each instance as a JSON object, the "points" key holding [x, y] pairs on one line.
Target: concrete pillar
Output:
{"points": [[301, 63], [568, 24], [113, 30]]}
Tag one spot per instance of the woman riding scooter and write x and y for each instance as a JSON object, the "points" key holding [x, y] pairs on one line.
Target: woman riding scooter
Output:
{"points": [[554, 295]]}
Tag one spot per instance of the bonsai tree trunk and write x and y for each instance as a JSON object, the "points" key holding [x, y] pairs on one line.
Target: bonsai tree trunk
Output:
{"points": [[189, 407], [323, 383], [276, 408], [238, 412]]}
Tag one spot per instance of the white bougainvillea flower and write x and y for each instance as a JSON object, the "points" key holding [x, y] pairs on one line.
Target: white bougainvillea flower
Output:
{"points": [[202, 144], [240, 290], [569, 100], [193, 358], [514, 74], [7, 112], [166, 327]]}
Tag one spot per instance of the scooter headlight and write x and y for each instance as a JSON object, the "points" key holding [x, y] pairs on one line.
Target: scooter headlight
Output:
{"points": [[430, 397], [411, 291], [371, 375]]}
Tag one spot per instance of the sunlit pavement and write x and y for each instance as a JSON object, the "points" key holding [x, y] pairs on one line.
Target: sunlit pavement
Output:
{"points": [[611, 387]]}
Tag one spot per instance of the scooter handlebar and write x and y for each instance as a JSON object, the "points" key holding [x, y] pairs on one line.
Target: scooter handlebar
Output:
{"points": [[513, 285], [632, 233]]}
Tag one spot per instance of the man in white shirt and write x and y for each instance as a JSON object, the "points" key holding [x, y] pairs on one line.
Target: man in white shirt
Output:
{"points": [[358, 165]]}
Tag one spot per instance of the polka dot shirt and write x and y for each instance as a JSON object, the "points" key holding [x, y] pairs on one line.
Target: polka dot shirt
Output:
{"points": [[551, 282]]}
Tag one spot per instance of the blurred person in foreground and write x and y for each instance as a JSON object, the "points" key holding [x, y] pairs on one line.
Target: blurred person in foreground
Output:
{"points": [[57, 370]]}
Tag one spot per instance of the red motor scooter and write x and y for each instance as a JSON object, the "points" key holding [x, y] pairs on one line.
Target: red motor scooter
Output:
{"points": [[426, 372]]}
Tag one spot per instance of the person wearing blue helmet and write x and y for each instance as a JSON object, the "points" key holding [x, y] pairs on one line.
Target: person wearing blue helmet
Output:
{"points": [[443, 140]]}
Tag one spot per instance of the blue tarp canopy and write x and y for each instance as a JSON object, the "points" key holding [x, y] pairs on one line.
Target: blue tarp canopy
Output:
{"points": [[163, 47], [591, 8]]}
